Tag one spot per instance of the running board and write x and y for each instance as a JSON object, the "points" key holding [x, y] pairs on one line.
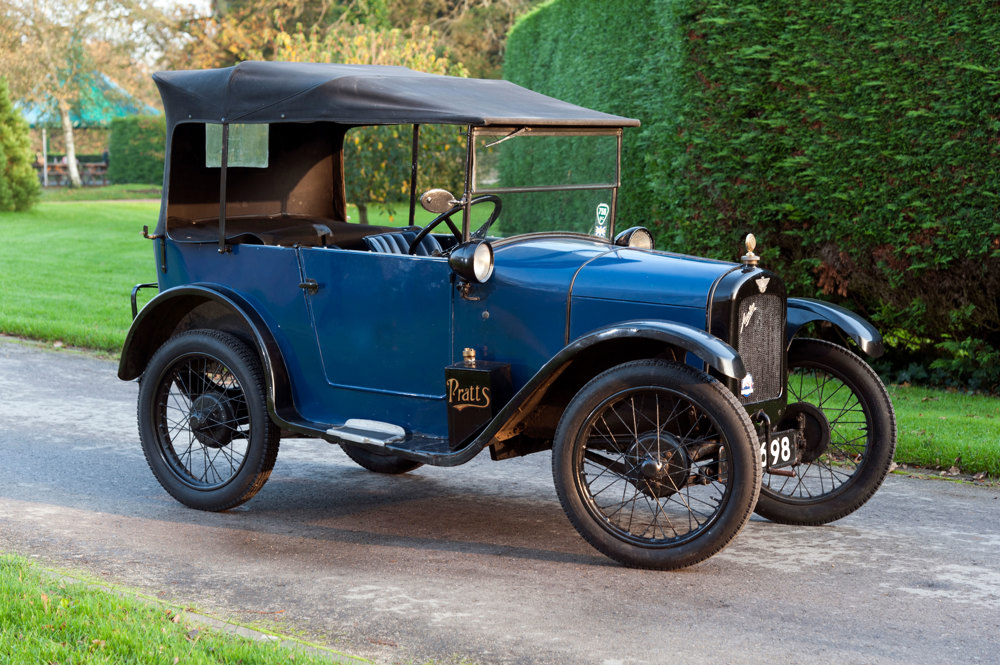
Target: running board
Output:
{"points": [[371, 432], [421, 448], [417, 447]]}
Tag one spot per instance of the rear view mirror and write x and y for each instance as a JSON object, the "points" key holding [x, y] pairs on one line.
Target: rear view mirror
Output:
{"points": [[438, 201]]}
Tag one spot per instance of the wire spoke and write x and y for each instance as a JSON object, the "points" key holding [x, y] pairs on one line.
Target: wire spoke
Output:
{"points": [[205, 451], [645, 488]]}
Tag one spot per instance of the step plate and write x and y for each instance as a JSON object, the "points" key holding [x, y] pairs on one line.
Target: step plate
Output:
{"points": [[372, 432]]}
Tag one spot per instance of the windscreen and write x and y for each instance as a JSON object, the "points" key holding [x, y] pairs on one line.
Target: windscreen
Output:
{"points": [[548, 180]]}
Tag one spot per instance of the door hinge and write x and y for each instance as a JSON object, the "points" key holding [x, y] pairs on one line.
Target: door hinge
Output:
{"points": [[311, 286]]}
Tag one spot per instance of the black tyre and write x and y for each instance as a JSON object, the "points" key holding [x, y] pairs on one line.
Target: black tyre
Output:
{"points": [[389, 464], [842, 471], [203, 420], [655, 466]]}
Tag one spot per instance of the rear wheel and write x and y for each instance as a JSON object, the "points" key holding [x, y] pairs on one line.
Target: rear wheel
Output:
{"points": [[389, 464], [203, 420], [654, 464], [844, 465]]}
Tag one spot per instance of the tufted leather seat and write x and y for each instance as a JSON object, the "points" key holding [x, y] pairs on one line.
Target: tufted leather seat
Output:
{"points": [[399, 243]]}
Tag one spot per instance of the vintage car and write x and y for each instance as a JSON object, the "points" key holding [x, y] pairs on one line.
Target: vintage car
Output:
{"points": [[673, 392]]}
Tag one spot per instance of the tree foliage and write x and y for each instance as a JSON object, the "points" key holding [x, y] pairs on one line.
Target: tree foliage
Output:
{"points": [[241, 30], [18, 182], [53, 50], [475, 31], [472, 32], [858, 141]]}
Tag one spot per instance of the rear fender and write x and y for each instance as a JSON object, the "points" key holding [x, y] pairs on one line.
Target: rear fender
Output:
{"points": [[803, 310], [163, 316]]}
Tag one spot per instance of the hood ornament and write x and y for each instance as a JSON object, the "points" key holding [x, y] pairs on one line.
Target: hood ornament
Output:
{"points": [[750, 259]]}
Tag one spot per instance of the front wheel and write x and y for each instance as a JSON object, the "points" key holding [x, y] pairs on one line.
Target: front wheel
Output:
{"points": [[655, 466], [845, 464], [203, 420]]}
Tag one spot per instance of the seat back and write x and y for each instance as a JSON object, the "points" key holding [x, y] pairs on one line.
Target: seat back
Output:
{"points": [[398, 242]]}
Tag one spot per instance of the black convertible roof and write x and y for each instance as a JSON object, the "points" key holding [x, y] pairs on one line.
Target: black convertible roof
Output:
{"points": [[254, 92]]}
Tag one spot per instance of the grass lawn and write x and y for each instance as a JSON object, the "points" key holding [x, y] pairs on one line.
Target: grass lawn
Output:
{"points": [[938, 427], [105, 193], [43, 620], [66, 270]]}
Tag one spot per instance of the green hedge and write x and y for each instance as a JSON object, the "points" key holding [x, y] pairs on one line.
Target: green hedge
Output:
{"points": [[136, 150], [858, 140]]}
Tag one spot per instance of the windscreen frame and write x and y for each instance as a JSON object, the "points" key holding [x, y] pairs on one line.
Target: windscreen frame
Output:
{"points": [[505, 132]]}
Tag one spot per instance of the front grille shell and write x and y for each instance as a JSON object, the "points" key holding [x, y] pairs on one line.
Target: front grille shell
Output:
{"points": [[759, 337]]}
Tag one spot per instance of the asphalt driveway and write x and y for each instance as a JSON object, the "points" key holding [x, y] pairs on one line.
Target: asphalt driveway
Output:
{"points": [[479, 561]]}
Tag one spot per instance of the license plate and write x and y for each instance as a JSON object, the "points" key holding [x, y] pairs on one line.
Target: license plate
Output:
{"points": [[780, 450]]}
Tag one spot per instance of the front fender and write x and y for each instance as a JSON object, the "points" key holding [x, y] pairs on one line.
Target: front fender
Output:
{"points": [[719, 355], [803, 310], [709, 348]]}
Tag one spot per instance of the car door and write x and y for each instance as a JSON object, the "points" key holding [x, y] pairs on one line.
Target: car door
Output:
{"points": [[383, 323]]}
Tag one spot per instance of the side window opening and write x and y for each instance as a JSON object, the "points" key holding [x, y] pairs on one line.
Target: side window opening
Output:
{"points": [[377, 169]]}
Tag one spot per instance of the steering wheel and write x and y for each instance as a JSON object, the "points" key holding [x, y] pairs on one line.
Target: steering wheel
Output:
{"points": [[446, 218]]}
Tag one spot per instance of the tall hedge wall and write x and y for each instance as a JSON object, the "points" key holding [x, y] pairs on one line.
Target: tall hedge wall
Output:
{"points": [[136, 149], [860, 141]]}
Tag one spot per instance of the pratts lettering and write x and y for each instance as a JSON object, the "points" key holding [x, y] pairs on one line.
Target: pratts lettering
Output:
{"points": [[477, 397]]}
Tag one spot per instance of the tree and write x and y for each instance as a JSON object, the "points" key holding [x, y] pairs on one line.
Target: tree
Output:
{"points": [[18, 182], [52, 50], [240, 30], [475, 31]]}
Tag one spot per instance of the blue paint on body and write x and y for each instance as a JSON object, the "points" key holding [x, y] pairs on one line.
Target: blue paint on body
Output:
{"points": [[374, 339]]}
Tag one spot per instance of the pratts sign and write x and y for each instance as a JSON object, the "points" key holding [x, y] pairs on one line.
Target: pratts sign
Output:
{"points": [[466, 397], [474, 387]]}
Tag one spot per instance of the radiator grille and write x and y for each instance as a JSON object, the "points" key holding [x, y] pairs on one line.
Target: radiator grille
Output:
{"points": [[760, 335]]}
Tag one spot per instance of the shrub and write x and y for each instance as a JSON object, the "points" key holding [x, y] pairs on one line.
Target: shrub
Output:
{"points": [[19, 188], [858, 141], [137, 149]]}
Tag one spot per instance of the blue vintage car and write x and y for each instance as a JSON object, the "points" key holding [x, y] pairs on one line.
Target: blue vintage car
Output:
{"points": [[673, 391]]}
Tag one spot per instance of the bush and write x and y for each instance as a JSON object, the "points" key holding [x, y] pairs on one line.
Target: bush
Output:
{"points": [[19, 188], [137, 150], [858, 141]]}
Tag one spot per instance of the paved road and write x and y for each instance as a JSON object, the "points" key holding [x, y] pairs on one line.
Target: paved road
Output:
{"points": [[479, 561]]}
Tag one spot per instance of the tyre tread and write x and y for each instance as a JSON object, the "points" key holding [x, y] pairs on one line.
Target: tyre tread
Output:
{"points": [[766, 505], [271, 432], [702, 554]]}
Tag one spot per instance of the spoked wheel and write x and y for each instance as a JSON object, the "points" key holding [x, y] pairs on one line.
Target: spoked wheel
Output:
{"points": [[203, 420], [654, 464], [851, 437], [388, 464]]}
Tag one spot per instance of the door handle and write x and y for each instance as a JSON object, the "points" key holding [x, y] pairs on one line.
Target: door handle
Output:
{"points": [[311, 286]]}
